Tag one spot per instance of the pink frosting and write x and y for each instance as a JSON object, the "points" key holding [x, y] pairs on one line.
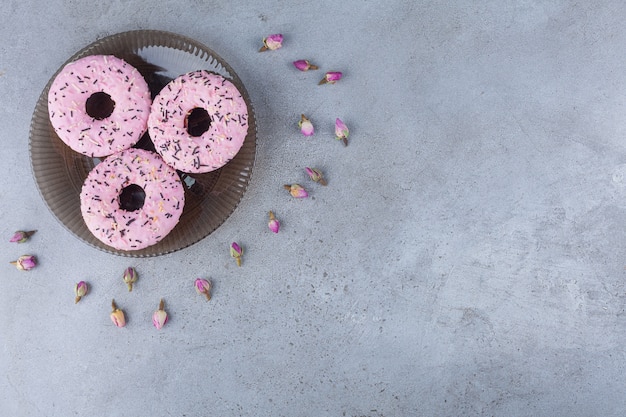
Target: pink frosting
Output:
{"points": [[78, 81], [132, 230], [227, 131]]}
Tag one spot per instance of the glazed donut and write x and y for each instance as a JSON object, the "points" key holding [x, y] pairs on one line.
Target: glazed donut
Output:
{"points": [[99, 105], [198, 122], [132, 199]]}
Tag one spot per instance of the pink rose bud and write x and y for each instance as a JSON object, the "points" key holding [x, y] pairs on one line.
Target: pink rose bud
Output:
{"points": [[159, 317], [305, 125], [273, 224], [25, 262], [341, 131], [80, 290], [21, 237], [236, 252], [304, 65], [117, 315], [331, 77], [272, 42], [297, 191], [203, 286], [130, 277], [316, 175]]}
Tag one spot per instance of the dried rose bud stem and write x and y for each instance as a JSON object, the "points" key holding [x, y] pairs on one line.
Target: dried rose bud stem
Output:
{"points": [[304, 65], [272, 42], [159, 317], [331, 77], [25, 262], [273, 224], [203, 286], [297, 191], [316, 175], [130, 277], [80, 289], [236, 252], [117, 316], [305, 125], [22, 236]]}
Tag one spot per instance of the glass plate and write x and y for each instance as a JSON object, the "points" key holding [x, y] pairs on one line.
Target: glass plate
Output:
{"points": [[209, 198]]}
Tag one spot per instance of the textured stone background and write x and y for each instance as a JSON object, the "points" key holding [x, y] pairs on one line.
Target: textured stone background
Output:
{"points": [[466, 258]]}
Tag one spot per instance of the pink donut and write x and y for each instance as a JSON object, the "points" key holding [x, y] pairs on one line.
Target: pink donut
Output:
{"points": [[198, 122], [132, 199], [99, 105]]}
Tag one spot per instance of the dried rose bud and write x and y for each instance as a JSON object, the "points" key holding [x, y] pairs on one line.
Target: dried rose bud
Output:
{"points": [[159, 317], [331, 77], [21, 237], [25, 262], [203, 286], [130, 277], [305, 125], [236, 252], [272, 43], [304, 65], [117, 315], [341, 131], [273, 224], [316, 175], [80, 290], [296, 190]]}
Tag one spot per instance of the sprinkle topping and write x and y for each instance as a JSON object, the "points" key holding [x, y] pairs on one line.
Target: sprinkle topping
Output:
{"points": [[76, 83], [227, 127], [138, 229]]}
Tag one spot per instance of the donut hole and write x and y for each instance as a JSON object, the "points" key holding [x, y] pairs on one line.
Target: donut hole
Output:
{"points": [[197, 121], [99, 105], [132, 197]]}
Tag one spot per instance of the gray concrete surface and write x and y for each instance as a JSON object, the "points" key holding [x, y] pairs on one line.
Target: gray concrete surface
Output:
{"points": [[466, 259]]}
